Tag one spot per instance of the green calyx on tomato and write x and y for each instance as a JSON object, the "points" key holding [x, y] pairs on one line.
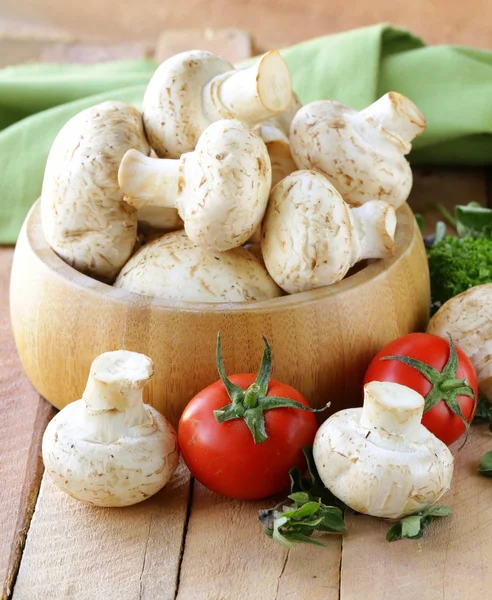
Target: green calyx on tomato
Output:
{"points": [[250, 404], [445, 385]]}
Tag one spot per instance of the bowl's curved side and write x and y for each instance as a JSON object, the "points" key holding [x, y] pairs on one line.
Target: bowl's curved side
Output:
{"points": [[322, 340]]}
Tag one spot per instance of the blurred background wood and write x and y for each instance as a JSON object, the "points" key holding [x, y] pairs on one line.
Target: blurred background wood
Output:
{"points": [[274, 22]]}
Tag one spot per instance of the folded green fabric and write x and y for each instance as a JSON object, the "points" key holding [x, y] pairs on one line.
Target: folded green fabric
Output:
{"points": [[451, 85]]}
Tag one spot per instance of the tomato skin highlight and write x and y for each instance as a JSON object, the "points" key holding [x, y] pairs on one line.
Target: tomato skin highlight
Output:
{"points": [[224, 457], [434, 351]]}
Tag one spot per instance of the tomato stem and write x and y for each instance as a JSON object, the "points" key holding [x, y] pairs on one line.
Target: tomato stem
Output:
{"points": [[251, 404], [445, 385]]}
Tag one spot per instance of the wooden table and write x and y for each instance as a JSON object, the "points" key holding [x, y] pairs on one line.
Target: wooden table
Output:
{"points": [[191, 544]]}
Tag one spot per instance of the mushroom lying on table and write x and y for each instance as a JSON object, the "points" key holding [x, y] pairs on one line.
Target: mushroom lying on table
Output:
{"points": [[275, 133], [84, 217], [379, 459], [220, 190], [174, 268], [109, 448], [311, 237], [193, 89], [361, 153]]}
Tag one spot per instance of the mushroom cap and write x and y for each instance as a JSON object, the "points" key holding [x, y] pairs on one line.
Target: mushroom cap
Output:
{"points": [[172, 106], [174, 268], [306, 233], [468, 319], [84, 218], [380, 474], [121, 473], [227, 181], [362, 160]]}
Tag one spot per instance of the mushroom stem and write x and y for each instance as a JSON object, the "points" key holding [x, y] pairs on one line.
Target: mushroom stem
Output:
{"points": [[375, 224], [398, 116], [392, 408], [149, 181], [114, 388], [250, 95]]}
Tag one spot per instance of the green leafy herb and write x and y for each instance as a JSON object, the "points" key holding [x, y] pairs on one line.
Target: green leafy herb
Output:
{"points": [[412, 526], [484, 411], [473, 220], [310, 507], [485, 467], [456, 265]]}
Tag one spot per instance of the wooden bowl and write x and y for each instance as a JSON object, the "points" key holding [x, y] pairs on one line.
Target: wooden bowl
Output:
{"points": [[322, 340]]}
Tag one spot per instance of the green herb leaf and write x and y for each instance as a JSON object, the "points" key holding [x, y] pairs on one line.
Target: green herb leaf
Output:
{"points": [[438, 511], [473, 220], [420, 221], [308, 509], [305, 511], [485, 467], [412, 526], [484, 411], [300, 497]]}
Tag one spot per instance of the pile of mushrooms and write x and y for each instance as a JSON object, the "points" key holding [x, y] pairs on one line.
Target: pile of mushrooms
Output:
{"points": [[274, 197]]}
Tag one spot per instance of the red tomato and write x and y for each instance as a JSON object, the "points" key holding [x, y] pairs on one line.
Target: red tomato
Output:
{"points": [[224, 457], [435, 352]]}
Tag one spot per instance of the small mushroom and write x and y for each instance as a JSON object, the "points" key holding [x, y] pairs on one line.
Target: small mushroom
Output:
{"points": [[311, 237], [109, 448], [193, 89], [467, 318], [84, 217], [220, 190], [361, 153], [275, 133], [174, 268]]}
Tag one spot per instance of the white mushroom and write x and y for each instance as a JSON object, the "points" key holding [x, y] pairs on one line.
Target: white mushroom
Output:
{"points": [[362, 153], [275, 133], [193, 89], [84, 217], [173, 267], [109, 448], [467, 318], [379, 459], [220, 190], [311, 238]]}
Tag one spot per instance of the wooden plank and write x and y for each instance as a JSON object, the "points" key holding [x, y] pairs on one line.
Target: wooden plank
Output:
{"points": [[448, 187], [24, 417], [82, 552], [452, 560], [227, 556]]}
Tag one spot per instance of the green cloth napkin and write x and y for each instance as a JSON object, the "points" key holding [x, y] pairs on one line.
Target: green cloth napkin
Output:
{"points": [[451, 85]]}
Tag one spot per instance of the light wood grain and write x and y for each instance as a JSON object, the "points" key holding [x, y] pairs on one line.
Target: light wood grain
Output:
{"points": [[82, 552], [232, 44], [274, 23], [228, 557], [24, 417], [452, 560], [322, 340]]}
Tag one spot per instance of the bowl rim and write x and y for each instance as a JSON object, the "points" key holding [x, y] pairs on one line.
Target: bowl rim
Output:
{"points": [[34, 237]]}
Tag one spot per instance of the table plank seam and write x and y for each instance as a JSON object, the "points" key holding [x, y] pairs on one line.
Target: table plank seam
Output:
{"points": [[185, 533], [29, 495]]}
